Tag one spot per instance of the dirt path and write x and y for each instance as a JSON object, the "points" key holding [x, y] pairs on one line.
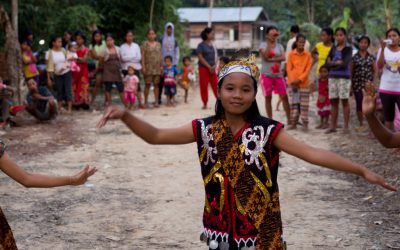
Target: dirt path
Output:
{"points": [[151, 197]]}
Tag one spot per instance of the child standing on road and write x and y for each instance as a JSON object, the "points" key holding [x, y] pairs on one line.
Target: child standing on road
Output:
{"points": [[131, 82], [187, 75], [239, 157], [170, 74], [323, 102]]}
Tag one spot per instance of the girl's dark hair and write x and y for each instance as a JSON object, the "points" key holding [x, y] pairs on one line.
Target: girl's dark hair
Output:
{"points": [[127, 32], [205, 32], [168, 57], [364, 37], [151, 29], [269, 28], [394, 30], [52, 40], [185, 58], [329, 32], [324, 66], [341, 29], [80, 33], [109, 35], [298, 37], [93, 36]]}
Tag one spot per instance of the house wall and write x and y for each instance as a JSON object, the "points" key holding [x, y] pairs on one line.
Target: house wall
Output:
{"points": [[223, 35]]}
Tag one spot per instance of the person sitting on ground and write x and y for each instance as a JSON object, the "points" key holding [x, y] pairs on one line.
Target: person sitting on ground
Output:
{"points": [[384, 135], [6, 92], [40, 102]]}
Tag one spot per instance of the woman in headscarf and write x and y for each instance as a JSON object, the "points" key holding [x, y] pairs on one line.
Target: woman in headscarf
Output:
{"points": [[169, 47]]}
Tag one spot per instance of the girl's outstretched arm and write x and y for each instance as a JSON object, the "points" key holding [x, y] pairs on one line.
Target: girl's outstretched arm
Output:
{"points": [[327, 159], [10, 168], [146, 131], [386, 137]]}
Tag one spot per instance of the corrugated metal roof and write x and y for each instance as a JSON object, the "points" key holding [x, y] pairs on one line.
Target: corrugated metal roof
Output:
{"points": [[220, 15]]}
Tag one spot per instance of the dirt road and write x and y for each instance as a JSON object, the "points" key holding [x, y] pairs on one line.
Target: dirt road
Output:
{"points": [[151, 197]]}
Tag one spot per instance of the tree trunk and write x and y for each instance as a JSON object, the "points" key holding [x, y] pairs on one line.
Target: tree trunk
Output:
{"points": [[210, 13], [14, 15], [13, 57], [388, 15], [240, 24], [151, 13]]}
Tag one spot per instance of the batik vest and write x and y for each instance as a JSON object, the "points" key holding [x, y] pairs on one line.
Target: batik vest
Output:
{"points": [[240, 179]]}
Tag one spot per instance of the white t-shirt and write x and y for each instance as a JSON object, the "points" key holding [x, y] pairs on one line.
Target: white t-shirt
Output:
{"points": [[390, 80], [131, 55], [60, 62]]}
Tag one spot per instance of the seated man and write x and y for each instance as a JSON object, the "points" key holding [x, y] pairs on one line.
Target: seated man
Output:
{"points": [[40, 102]]}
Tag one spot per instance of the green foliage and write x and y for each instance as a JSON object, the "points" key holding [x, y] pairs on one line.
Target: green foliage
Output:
{"points": [[311, 31]]}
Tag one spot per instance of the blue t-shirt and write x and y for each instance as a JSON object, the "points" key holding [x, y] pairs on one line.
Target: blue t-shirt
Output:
{"points": [[40, 104], [170, 75]]}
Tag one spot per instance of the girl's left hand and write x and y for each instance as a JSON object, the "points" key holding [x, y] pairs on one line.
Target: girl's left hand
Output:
{"points": [[81, 177], [374, 178]]}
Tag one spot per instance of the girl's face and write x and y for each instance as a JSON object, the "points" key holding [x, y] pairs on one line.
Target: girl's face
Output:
{"points": [[237, 93], [363, 44], [301, 42], [57, 43], [97, 38], [129, 37], [67, 36], [340, 37], [394, 37], [187, 62], [110, 42], [24, 46], [323, 73], [151, 35], [273, 34], [72, 49], [131, 71], [79, 40], [324, 37]]}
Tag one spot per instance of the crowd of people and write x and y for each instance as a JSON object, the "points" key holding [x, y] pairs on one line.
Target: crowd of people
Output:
{"points": [[237, 146]]}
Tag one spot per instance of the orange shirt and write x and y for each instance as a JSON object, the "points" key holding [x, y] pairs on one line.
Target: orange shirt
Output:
{"points": [[298, 67]]}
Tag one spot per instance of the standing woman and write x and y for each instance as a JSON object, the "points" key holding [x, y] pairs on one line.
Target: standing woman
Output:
{"points": [[67, 39], [272, 55], [339, 60], [80, 84], [111, 60], [321, 50], [363, 70], [298, 69], [208, 57], [131, 55], [389, 89], [58, 71], [152, 66], [96, 49]]}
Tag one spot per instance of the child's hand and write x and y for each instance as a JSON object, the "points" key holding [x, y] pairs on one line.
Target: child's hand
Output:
{"points": [[374, 178], [113, 112], [81, 177], [369, 100]]}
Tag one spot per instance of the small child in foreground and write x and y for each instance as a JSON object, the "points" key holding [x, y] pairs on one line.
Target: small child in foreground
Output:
{"points": [[323, 102], [170, 74], [131, 82], [187, 75]]}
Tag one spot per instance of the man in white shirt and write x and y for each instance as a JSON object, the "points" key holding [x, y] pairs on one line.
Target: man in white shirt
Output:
{"points": [[131, 55], [294, 30]]}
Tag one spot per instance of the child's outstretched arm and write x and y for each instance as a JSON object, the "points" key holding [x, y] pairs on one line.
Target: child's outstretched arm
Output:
{"points": [[387, 138], [327, 159], [149, 133], [10, 168]]}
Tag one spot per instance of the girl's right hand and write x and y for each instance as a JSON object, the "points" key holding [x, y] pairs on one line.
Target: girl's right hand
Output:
{"points": [[111, 113], [81, 177], [376, 179], [369, 103], [383, 44]]}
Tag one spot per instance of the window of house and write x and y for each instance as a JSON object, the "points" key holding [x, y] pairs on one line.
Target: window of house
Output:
{"points": [[234, 34]]}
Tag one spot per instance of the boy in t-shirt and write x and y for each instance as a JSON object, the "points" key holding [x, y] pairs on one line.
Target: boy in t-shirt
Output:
{"points": [[170, 74]]}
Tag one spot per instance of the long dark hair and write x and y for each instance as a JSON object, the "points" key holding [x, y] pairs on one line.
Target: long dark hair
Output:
{"points": [[93, 36], [394, 30], [52, 40], [80, 33]]}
